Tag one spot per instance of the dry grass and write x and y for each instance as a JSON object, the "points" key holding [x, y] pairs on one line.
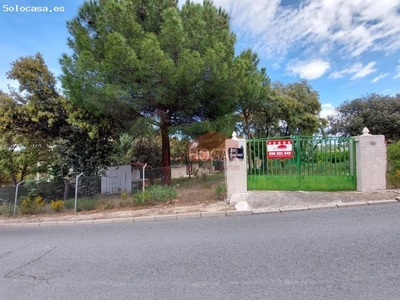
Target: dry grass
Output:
{"points": [[191, 192], [198, 190]]}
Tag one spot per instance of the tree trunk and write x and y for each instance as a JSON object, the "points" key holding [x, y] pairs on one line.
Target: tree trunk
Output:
{"points": [[66, 189], [166, 154], [247, 124]]}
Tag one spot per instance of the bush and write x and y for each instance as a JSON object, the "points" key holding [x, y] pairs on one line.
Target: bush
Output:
{"points": [[332, 157], [57, 205], [220, 191], [393, 153], [6, 210], [47, 190], [31, 206]]}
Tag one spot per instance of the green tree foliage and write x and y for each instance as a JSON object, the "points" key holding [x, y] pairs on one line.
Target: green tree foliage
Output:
{"points": [[37, 106], [145, 148], [252, 87], [291, 109], [379, 113], [20, 158], [393, 152], [38, 125], [151, 59], [30, 119], [180, 153]]}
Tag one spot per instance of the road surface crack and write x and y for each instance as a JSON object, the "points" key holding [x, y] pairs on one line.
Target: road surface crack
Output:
{"points": [[12, 251], [9, 274]]}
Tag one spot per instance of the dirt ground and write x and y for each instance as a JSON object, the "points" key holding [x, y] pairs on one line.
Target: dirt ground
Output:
{"points": [[119, 213]]}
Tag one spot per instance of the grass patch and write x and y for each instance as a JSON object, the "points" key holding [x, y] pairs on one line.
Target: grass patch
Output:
{"points": [[185, 182], [6, 210], [156, 193], [199, 190], [86, 204], [69, 204]]}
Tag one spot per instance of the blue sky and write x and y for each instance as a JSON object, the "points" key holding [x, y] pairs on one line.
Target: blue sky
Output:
{"points": [[345, 49]]}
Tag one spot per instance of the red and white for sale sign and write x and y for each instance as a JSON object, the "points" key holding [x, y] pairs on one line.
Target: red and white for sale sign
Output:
{"points": [[279, 149]]}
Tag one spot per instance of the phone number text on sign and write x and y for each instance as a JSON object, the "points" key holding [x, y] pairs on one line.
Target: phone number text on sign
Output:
{"points": [[279, 149]]}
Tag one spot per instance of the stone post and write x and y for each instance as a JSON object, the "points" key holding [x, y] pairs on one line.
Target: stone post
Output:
{"points": [[235, 169], [370, 162]]}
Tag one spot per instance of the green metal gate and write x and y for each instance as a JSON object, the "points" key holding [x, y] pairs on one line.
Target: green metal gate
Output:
{"points": [[316, 164]]}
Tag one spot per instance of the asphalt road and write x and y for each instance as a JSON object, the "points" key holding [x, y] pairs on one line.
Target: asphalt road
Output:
{"points": [[341, 254]]}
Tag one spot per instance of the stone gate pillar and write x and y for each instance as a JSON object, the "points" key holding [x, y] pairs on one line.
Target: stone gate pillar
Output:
{"points": [[235, 169], [371, 162]]}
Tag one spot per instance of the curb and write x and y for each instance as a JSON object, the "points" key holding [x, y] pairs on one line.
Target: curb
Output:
{"points": [[197, 215]]}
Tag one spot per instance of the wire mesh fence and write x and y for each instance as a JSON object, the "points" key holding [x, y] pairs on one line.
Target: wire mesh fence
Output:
{"points": [[52, 189]]}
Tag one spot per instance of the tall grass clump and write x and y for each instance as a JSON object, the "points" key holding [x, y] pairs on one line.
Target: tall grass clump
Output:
{"points": [[86, 204], [156, 193]]}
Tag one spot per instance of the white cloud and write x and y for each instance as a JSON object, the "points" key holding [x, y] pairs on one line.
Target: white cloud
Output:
{"points": [[358, 69], [318, 26], [309, 70], [327, 110], [368, 69], [398, 72], [379, 77]]}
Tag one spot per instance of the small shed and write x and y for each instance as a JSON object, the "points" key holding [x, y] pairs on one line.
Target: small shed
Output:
{"points": [[120, 179]]}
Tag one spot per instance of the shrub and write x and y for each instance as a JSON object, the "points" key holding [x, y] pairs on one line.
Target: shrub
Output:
{"points": [[332, 157], [393, 153], [31, 206], [6, 210], [45, 189], [124, 195], [220, 191], [57, 205], [143, 198]]}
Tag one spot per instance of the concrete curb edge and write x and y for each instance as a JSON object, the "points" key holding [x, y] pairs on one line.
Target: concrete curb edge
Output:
{"points": [[196, 215]]}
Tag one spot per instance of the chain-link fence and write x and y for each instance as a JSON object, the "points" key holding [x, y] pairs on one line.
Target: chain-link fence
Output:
{"points": [[53, 189]]}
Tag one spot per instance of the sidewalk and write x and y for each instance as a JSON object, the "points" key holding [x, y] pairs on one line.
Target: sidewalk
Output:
{"points": [[257, 203]]}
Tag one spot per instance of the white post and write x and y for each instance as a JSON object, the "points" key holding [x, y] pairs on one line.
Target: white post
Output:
{"points": [[16, 196], [236, 169], [370, 162], [76, 189], [144, 167]]}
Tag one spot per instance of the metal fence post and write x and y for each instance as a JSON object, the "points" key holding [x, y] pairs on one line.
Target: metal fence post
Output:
{"points": [[16, 196], [76, 189]]}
